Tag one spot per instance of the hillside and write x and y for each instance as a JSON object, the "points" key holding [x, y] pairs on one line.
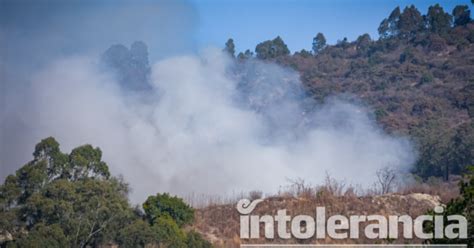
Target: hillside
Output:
{"points": [[210, 124], [220, 224], [418, 79]]}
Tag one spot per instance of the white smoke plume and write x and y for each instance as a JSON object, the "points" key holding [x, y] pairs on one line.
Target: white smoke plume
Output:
{"points": [[205, 127]]}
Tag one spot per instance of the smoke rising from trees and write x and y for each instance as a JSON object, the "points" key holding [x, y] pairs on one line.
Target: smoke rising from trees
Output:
{"points": [[207, 125]]}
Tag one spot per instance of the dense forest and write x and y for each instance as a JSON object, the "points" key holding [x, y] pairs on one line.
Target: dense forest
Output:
{"points": [[417, 77]]}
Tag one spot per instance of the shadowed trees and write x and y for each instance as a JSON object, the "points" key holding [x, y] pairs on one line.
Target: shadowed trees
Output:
{"points": [[389, 26], [462, 15], [319, 43], [230, 47], [131, 66], [437, 20]]}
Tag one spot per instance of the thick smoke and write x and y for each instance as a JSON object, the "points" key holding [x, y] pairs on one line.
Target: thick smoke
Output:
{"points": [[208, 125], [34, 33]]}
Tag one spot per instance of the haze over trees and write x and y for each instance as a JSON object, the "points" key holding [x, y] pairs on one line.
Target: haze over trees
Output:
{"points": [[131, 65], [418, 77], [230, 47]]}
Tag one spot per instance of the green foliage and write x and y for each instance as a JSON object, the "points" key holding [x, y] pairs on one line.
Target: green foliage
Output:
{"points": [[230, 47], [303, 53], [363, 42], [272, 49], [168, 232], [246, 55], [414, 76], [426, 78], [48, 150], [70, 200], [410, 22], [343, 43], [51, 236], [406, 56], [462, 15], [85, 162], [380, 113], [83, 209], [319, 43], [444, 150], [50, 163], [195, 240], [389, 26], [438, 21], [137, 234], [464, 205], [163, 205]]}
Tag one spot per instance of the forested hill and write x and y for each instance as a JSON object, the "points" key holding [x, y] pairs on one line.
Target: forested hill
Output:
{"points": [[418, 78]]}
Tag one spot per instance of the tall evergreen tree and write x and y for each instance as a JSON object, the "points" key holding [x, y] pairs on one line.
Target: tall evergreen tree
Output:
{"points": [[230, 47], [410, 22], [437, 20], [389, 26], [319, 43], [462, 15]]}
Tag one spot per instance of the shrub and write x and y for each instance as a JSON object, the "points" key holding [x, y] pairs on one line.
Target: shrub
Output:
{"points": [[171, 206], [195, 240], [168, 232], [137, 234], [464, 205], [407, 55], [426, 78]]}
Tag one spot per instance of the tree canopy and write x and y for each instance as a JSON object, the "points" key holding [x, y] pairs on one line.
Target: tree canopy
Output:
{"points": [[230, 47], [272, 49], [71, 200], [164, 205], [319, 42], [131, 66]]}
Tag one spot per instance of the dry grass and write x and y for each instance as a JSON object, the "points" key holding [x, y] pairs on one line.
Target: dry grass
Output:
{"points": [[434, 186], [219, 221]]}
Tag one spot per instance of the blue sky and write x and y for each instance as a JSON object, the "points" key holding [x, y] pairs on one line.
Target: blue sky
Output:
{"points": [[177, 27], [249, 22]]}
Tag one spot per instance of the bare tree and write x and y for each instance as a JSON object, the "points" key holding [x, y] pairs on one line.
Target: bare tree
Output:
{"points": [[334, 186], [386, 179], [299, 187]]}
